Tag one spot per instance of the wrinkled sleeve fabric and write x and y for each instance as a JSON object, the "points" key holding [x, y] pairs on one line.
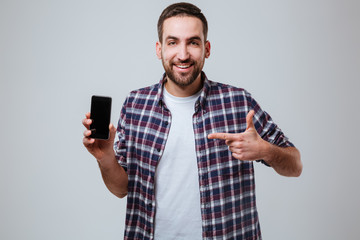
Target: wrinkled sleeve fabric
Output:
{"points": [[265, 126], [120, 143]]}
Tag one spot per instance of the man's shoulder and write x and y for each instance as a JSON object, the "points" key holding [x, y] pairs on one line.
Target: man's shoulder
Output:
{"points": [[147, 89], [218, 88], [145, 92]]}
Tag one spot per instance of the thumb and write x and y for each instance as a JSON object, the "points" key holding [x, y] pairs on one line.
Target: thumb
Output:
{"points": [[112, 130], [249, 120]]}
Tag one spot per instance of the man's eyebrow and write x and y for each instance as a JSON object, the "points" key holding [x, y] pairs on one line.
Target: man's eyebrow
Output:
{"points": [[176, 38], [195, 38], [171, 37]]}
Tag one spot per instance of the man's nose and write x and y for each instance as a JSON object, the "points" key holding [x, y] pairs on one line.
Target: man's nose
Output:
{"points": [[183, 53]]}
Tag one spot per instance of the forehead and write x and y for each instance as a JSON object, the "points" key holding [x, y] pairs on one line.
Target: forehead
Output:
{"points": [[183, 27]]}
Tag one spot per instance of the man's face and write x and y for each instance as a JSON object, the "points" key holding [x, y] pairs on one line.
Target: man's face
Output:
{"points": [[183, 49]]}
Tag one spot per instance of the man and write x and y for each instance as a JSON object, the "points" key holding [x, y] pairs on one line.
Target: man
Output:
{"points": [[186, 146]]}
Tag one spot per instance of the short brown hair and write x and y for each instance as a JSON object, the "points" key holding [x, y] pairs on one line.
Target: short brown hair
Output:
{"points": [[181, 9]]}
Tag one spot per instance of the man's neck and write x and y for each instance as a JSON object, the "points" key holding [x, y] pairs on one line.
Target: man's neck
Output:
{"points": [[184, 91]]}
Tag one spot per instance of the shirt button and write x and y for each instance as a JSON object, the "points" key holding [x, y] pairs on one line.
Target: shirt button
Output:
{"points": [[158, 149], [166, 123]]}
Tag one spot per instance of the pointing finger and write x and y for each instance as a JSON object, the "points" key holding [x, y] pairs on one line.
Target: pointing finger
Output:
{"points": [[223, 136]]}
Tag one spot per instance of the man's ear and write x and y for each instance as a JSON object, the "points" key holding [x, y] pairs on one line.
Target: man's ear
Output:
{"points": [[158, 50], [207, 49]]}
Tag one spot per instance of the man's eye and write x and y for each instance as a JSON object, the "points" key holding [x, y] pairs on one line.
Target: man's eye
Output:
{"points": [[195, 43], [171, 43]]}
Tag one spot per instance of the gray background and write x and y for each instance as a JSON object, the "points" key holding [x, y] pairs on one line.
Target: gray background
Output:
{"points": [[299, 59]]}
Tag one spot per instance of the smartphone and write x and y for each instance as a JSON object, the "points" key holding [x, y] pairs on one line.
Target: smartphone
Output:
{"points": [[100, 115]]}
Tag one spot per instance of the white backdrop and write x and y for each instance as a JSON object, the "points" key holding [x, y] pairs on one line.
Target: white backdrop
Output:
{"points": [[299, 59]]}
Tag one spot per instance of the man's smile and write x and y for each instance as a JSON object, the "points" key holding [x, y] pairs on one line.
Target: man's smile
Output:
{"points": [[183, 66]]}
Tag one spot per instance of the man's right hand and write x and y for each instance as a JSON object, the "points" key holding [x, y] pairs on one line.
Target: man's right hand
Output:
{"points": [[115, 177], [100, 149]]}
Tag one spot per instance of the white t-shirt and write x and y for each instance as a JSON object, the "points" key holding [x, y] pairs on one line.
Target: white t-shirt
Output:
{"points": [[178, 213]]}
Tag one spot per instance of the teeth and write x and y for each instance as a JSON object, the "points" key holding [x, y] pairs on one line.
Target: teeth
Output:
{"points": [[183, 66]]}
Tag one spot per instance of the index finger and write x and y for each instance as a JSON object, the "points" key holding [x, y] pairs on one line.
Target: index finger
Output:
{"points": [[87, 121], [223, 136]]}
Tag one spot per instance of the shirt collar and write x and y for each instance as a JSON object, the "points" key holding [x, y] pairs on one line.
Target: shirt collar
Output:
{"points": [[200, 103]]}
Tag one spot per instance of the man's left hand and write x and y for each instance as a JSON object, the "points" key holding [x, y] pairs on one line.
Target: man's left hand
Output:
{"points": [[247, 145]]}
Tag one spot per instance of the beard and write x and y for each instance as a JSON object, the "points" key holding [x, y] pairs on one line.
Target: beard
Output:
{"points": [[182, 79]]}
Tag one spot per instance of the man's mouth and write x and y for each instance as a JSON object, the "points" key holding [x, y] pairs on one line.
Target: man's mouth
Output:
{"points": [[183, 66]]}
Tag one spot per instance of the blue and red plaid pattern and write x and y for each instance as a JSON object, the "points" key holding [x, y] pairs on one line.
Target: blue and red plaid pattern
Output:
{"points": [[227, 187]]}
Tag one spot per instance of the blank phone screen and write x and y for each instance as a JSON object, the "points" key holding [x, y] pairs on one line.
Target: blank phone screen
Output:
{"points": [[100, 114]]}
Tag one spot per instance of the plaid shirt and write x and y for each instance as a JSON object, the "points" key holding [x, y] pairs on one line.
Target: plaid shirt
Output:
{"points": [[227, 187]]}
